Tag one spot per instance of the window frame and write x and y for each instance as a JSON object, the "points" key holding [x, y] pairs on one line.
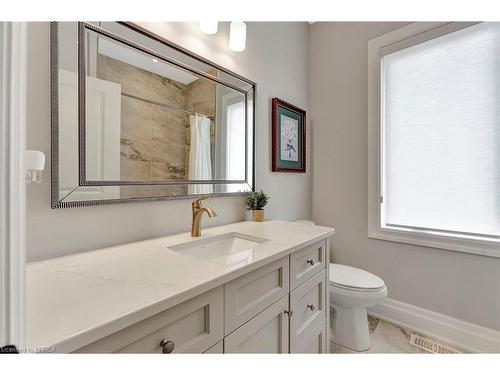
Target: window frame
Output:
{"points": [[399, 39]]}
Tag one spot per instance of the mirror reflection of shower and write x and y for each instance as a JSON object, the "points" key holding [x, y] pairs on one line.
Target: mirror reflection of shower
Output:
{"points": [[157, 121]]}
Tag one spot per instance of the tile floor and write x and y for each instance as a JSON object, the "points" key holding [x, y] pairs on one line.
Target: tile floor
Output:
{"points": [[386, 338]]}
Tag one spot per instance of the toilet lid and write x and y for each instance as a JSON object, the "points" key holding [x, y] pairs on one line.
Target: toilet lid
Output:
{"points": [[351, 277]]}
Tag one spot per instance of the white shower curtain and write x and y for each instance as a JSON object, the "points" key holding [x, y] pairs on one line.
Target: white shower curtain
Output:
{"points": [[200, 163]]}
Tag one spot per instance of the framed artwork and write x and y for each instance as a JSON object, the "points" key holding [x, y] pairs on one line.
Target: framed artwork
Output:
{"points": [[289, 137]]}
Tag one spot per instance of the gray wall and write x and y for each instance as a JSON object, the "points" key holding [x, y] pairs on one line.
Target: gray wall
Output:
{"points": [[276, 58], [461, 285]]}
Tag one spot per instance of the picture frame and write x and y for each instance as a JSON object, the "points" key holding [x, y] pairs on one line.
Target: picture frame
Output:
{"points": [[288, 137]]}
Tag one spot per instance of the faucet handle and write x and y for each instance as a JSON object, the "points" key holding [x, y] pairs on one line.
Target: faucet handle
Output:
{"points": [[197, 202]]}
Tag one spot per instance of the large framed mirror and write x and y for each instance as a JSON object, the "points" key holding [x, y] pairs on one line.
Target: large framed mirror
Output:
{"points": [[137, 118]]}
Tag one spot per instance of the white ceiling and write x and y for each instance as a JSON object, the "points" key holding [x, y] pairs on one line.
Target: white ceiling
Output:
{"points": [[140, 60]]}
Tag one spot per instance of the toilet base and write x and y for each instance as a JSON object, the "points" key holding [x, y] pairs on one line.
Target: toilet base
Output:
{"points": [[349, 328]]}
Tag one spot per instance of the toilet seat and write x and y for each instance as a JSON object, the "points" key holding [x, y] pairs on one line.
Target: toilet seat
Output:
{"points": [[351, 278]]}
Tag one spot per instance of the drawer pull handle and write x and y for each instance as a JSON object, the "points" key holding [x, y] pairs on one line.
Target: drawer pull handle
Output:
{"points": [[167, 347], [311, 307], [289, 313], [310, 261]]}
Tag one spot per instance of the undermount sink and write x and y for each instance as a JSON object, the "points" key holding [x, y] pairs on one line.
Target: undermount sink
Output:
{"points": [[228, 244]]}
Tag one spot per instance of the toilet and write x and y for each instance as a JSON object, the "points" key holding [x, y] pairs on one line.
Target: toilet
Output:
{"points": [[351, 291]]}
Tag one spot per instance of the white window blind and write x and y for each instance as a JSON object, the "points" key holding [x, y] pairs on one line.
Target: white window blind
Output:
{"points": [[440, 140]]}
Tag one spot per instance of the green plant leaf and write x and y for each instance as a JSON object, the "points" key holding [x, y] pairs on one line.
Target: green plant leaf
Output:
{"points": [[257, 200]]}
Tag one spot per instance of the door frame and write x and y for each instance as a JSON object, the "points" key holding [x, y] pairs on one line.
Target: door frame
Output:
{"points": [[13, 57]]}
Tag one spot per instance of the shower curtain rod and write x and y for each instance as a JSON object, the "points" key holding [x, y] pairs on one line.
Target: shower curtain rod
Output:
{"points": [[169, 106]]}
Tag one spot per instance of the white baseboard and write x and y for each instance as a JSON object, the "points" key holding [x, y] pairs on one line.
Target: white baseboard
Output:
{"points": [[466, 336]]}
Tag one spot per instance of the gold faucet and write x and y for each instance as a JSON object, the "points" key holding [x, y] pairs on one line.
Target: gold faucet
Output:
{"points": [[198, 210]]}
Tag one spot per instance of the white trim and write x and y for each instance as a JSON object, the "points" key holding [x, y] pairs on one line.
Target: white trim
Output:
{"points": [[421, 33], [463, 335], [327, 303], [401, 38], [13, 57]]}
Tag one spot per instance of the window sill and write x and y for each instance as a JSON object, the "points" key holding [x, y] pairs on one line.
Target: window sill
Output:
{"points": [[490, 248]]}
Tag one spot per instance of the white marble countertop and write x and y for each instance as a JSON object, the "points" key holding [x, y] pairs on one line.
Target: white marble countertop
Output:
{"points": [[77, 299]]}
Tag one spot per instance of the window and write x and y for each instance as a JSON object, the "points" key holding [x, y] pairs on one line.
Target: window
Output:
{"points": [[235, 155], [435, 137], [234, 121]]}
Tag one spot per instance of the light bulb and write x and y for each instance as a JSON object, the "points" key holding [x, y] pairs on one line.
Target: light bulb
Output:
{"points": [[208, 27], [237, 36]]}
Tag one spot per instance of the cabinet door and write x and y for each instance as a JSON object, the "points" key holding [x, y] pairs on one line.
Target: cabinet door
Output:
{"points": [[313, 343], [308, 306], [265, 333], [306, 263], [250, 294]]}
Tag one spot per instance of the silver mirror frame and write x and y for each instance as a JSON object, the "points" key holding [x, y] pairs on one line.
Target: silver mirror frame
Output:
{"points": [[83, 184]]}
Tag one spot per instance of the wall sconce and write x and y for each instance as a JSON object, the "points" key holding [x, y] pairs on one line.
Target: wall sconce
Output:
{"points": [[208, 27], [34, 162], [237, 36]]}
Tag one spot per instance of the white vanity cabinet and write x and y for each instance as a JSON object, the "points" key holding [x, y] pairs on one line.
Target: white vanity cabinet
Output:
{"points": [[244, 287], [315, 342], [193, 326], [265, 333], [308, 307], [307, 262], [296, 322], [250, 294], [216, 349], [281, 307]]}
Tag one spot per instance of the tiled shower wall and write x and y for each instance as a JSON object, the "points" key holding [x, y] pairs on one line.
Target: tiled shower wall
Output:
{"points": [[201, 98], [155, 140]]}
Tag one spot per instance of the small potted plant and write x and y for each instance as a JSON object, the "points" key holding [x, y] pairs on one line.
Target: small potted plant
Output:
{"points": [[256, 202]]}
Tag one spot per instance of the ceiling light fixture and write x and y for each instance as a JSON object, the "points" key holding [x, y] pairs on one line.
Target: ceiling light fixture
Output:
{"points": [[208, 27], [237, 36]]}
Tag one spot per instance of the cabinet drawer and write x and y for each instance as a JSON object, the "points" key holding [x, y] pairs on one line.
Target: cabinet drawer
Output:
{"points": [[193, 327], [306, 263], [307, 304], [250, 294], [265, 333], [314, 343]]}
